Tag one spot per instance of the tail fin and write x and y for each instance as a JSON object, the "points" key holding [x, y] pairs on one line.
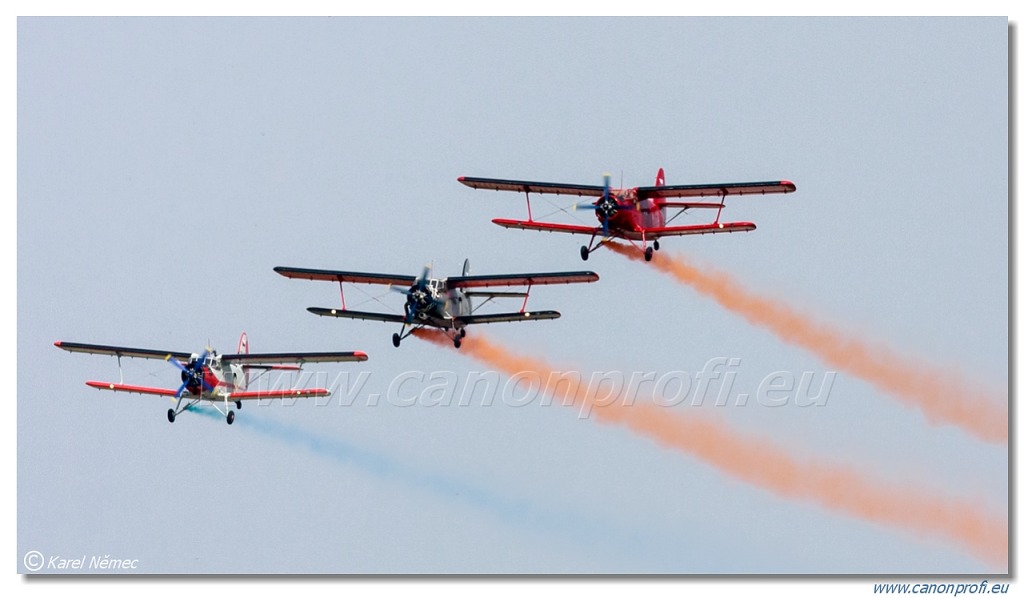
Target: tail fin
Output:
{"points": [[660, 180], [465, 267], [243, 349]]}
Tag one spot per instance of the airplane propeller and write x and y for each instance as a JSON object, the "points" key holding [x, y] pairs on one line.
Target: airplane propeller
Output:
{"points": [[606, 207], [419, 298], [192, 374]]}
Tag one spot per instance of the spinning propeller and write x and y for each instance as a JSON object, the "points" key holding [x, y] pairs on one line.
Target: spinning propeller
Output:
{"points": [[606, 207], [419, 298], [192, 375]]}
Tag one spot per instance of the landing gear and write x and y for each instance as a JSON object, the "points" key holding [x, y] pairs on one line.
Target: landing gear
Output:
{"points": [[170, 415], [238, 405], [648, 254], [462, 333], [657, 246], [584, 252], [231, 417], [457, 341], [396, 340]]}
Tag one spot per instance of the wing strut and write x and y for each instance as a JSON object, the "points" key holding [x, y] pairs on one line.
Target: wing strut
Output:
{"points": [[341, 285], [526, 298], [529, 211]]}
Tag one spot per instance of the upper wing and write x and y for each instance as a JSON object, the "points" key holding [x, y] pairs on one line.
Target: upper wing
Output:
{"points": [[716, 189], [339, 276], [269, 358], [355, 315], [699, 229], [532, 187], [142, 390], [508, 280], [509, 317], [121, 351]]}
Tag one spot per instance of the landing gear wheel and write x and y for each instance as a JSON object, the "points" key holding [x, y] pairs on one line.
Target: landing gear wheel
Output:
{"points": [[648, 254], [462, 333], [657, 246], [170, 415], [584, 252], [396, 340], [238, 405], [231, 417], [457, 341]]}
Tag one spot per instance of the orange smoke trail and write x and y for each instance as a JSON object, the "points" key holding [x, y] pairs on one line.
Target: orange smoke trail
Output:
{"points": [[765, 465], [942, 397]]}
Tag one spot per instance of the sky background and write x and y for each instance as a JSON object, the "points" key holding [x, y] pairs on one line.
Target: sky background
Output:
{"points": [[165, 166]]}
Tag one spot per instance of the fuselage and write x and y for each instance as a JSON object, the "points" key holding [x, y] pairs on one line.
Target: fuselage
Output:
{"points": [[218, 377], [445, 307], [632, 215]]}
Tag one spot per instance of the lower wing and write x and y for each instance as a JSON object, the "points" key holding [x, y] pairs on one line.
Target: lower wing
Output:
{"points": [[696, 229], [551, 227], [142, 390], [241, 395], [509, 317], [356, 315], [299, 393], [273, 360], [649, 234]]}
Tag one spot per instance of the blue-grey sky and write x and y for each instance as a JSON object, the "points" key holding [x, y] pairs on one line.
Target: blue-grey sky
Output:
{"points": [[165, 166]]}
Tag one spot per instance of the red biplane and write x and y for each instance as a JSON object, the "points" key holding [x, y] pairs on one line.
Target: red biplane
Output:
{"points": [[637, 215], [212, 377], [444, 303]]}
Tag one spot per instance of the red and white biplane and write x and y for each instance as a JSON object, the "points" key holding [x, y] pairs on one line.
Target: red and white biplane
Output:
{"points": [[443, 303], [638, 215], [212, 377]]}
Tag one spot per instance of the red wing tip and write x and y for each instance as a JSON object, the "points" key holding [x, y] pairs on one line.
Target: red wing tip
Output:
{"points": [[361, 356], [792, 187], [57, 343]]}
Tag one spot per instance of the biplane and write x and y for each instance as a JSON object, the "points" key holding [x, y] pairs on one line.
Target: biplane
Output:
{"points": [[638, 215], [214, 378], [443, 303]]}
